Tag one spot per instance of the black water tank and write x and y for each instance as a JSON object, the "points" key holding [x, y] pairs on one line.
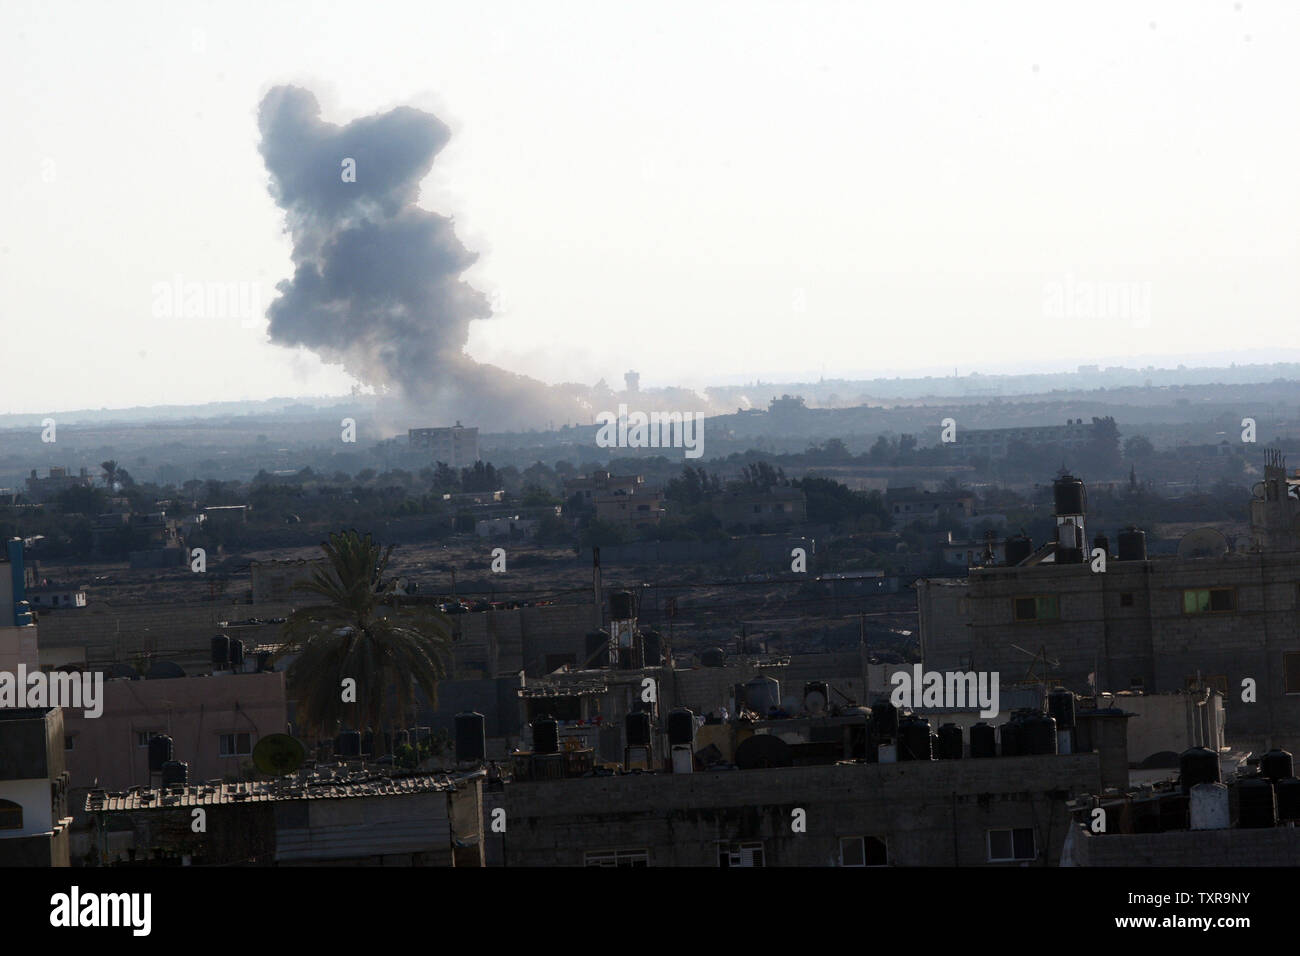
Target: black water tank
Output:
{"points": [[1018, 548], [546, 735], [620, 606], [950, 742], [1103, 542], [713, 657], [681, 727], [236, 653], [175, 773], [1276, 764], [914, 739], [265, 660], [652, 646], [348, 744], [1069, 495], [1198, 765], [220, 649], [638, 729], [160, 751], [884, 719], [1011, 733], [1132, 545], [1060, 704], [983, 740], [1288, 798], [1038, 735], [1256, 804], [471, 736]]}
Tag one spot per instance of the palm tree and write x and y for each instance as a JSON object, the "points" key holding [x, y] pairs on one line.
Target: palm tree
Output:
{"points": [[361, 632]]}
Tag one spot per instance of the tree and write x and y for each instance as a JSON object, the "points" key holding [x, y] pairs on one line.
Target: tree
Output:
{"points": [[110, 473], [1138, 448], [361, 632]]}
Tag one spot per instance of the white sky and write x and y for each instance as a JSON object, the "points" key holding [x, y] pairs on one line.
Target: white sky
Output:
{"points": [[662, 186]]}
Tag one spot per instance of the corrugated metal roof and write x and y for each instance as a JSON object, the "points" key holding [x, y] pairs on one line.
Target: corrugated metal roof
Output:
{"points": [[316, 787]]}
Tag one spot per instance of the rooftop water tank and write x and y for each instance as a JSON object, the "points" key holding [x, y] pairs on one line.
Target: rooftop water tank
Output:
{"points": [[950, 742], [638, 729], [914, 739], [1209, 807], [1069, 496], [681, 727], [175, 773], [1060, 704], [1018, 548], [1198, 765], [1038, 735], [1276, 764], [1256, 804], [620, 606], [546, 735], [160, 751], [220, 649], [1132, 545], [471, 736], [983, 740], [1011, 739], [713, 657], [884, 719], [762, 694], [1288, 798], [348, 744]]}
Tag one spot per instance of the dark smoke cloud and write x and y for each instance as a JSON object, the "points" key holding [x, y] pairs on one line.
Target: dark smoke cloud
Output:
{"points": [[377, 281]]}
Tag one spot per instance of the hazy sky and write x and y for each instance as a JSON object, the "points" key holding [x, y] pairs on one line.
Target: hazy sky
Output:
{"points": [[702, 192]]}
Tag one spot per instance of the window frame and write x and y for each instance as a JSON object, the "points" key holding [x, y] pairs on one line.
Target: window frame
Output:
{"points": [[1038, 618], [235, 751], [862, 843], [734, 851], [1012, 831], [636, 857], [1209, 600]]}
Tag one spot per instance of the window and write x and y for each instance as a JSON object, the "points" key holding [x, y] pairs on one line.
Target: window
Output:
{"points": [[1017, 844], [1040, 608], [11, 815], [69, 742], [1209, 600], [740, 854], [863, 851], [617, 858], [1126, 599], [236, 745], [1291, 672], [142, 737]]}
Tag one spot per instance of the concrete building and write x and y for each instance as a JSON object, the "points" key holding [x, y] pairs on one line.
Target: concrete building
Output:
{"points": [[331, 816], [48, 488], [994, 443], [1221, 618], [602, 483], [18, 633], [273, 581], [214, 722], [998, 812], [456, 446], [908, 505], [771, 509], [645, 509], [34, 819]]}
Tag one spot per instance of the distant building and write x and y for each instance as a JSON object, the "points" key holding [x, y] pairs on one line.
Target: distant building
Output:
{"points": [[45, 489], [456, 446], [909, 504], [600, 483], [274, 582], [766, 509], [642, 510], [55, 598], [994, 443]]}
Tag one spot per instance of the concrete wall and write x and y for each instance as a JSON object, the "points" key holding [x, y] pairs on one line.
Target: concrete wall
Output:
{"points": [[1277, 846], [970, 623], [929, 814], [195, 711]]}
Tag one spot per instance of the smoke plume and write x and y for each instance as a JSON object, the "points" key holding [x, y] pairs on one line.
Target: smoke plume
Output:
{"points": [[377, 281]]}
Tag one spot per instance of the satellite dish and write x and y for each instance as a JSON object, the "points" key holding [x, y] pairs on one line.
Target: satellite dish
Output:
{"points": [[122, 669], [1258, 491], [278, 754], [815, 701], [762, 751], [161, 670], [1203, 543]]}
